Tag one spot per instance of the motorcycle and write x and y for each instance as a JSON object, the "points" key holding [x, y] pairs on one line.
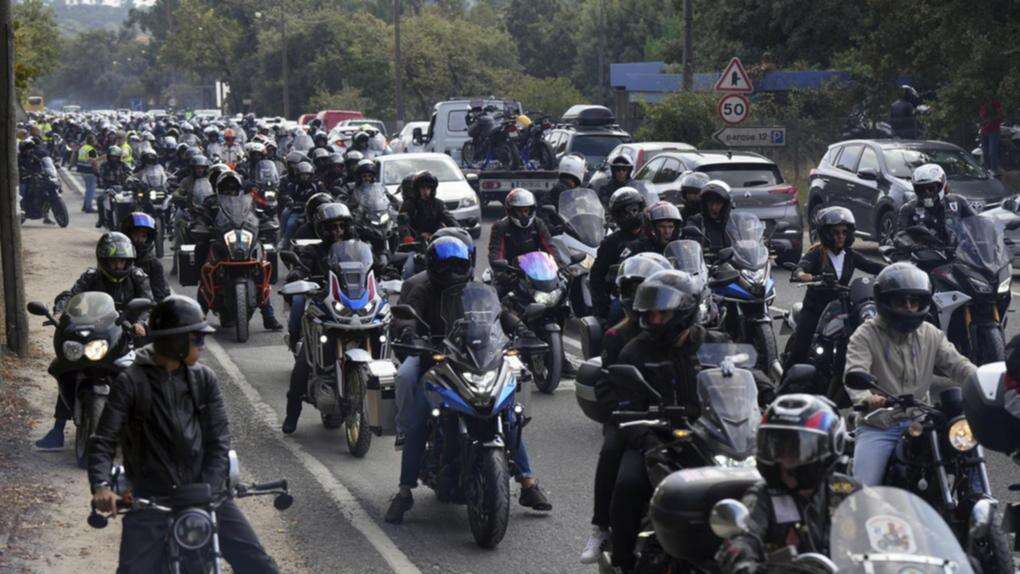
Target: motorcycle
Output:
{"points": [[721, 436], [43, 195], [972, 284], [238, 270], [471, 385], [539, 298], [92, 346], [343, 349], [192, 542], [939, 444], [151, 196], [375, 219], [493, 133], [686, 255], [535, 152], [267, 187], [188, 214], [581, 229]]}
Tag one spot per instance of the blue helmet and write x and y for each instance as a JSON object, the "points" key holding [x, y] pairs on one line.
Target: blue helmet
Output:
{"points": [[140, 220], [449, 262]]}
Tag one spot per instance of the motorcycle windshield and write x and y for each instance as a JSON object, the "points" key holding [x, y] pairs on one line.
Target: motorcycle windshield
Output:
{"points": [[686, 255], [540, 268], [887, 530], [372, 198], [201, 191], [729, 411], [980, 244], [266, 174], [302, 142], [154, 177], [49, 169], [235, 211], [582, 210], [473, 331], [746, 232], [93, 308], [351, 262], [651, 196]]}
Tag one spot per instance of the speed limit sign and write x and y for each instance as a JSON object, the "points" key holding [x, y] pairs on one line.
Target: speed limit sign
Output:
{"points": [[733, 108]]}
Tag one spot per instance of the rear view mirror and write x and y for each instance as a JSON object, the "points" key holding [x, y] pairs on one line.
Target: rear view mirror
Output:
{"points": [[859, 381], [37, 308], [868, 173], [406, 313], [501, 266], [136, 307], [729, 518], [790, 266], [782, 245], [630, 376], [724, 255], [291, 258], [692, 232]]}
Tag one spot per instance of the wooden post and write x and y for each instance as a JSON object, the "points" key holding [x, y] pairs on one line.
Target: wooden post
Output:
{"points": [[15, 316]]}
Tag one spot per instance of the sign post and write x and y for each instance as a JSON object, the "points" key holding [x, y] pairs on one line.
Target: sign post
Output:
{"points": [[751, 137], [734, 108]]}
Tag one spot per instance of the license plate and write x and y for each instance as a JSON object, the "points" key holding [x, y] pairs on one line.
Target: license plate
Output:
{"points": [[531, 184]]}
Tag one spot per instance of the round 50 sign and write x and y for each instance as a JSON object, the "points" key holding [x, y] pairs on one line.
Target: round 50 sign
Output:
{"points": [[734, 108]]}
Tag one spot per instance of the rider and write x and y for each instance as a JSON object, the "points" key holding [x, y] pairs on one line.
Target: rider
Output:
{"points": [[571, 173], [625, 207], [662, 224], [140, 227], [516, 234], [116, 276], [333, 178], [166, 413], [333, 224], [425, 212], [449, 264], [112, 172], [799, 441], [934, 212], [691, 185], [898, 351], [232, 152], [716, 205], [299, 191], [199, 165], [620, 170], [307, 229], [901, 114], [832, 257]]}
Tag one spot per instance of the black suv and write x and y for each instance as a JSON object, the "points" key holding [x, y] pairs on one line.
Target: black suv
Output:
{"points": [[872, 179], [589, 131]]}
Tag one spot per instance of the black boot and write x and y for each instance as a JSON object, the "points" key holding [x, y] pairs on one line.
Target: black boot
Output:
{"points": [[293, 414]]}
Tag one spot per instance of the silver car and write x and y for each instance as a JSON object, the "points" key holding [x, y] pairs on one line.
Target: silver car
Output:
{"points": [[454, 189]]}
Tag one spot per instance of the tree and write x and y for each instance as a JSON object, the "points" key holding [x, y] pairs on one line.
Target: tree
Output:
{"points": [[543, 32], [36, 43], [688, 117], [548, 96]]}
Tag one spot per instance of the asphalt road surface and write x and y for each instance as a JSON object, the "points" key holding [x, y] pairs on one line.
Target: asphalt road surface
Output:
{"points": [[337, 520]]}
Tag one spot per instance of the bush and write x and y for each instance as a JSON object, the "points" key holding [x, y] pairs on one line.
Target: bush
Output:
{"points": [[688, 117], [549, 96]]}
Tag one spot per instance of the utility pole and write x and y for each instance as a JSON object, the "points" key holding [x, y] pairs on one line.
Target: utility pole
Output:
{"points": [[398, 67], [688, 45], [601, 57], [15, 317], [284, 73]]}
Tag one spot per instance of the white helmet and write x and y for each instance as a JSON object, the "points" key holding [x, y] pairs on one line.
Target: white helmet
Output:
{"points": [[929, 184], [573, 165], [520, 198]]}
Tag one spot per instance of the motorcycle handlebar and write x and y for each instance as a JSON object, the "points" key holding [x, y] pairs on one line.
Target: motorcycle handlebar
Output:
{"points": [[273, 485]]}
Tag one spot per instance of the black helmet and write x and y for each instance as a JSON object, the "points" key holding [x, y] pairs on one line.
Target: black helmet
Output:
{"points": [[336, 159], [295, 157], [633, 271], [621, 162], [626, 205], [199, 160], [716, 190], [140, 220], [171, 324], [321, 139], [365, 166], [329, 214], [831, 217], [149, 156], [320, 156], [361, 138], [459, 233], [315, 201], [304, 169], [668, 290], [114, 152], [802, 434], [896, 282], [352, 158], [114, 245], [229, 183], [448, 262], [422, 179], [658, 212], [693, 183]]}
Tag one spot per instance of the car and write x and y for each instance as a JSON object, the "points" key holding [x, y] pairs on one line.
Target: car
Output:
{"points": [[404, 142], [639, 154], [378, 125], [756, 183], [448, 130], [872, 179], [305, 119], [454, 189], [589, 131]]}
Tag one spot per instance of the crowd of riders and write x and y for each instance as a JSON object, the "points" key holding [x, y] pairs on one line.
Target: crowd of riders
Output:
{"points": [[652, 314]]}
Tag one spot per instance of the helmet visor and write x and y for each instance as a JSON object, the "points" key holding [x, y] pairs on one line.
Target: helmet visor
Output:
{"points": [[658, 298], [791, 447]]}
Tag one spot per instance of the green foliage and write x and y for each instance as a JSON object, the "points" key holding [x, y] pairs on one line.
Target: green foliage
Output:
{"points": [[548, 96], [348, 99], [688, 117], [36, 43], [542, 31]]}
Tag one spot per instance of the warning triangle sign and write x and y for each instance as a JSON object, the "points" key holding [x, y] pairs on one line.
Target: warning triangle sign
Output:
{"points": [[734, 79]]}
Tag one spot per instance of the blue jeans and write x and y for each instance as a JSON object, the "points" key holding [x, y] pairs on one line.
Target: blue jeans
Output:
{"points": [[90, 189], [872, 450], [990, 150], [291, 219], [412, 417]]}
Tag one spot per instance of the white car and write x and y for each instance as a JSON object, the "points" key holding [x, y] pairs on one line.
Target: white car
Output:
{"points": [[404, 142], [454, 189]]}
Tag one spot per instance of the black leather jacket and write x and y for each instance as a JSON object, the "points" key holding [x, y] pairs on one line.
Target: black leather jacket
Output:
{"points": [[153, 268], [113, 173], [940, 219], [171, 433], [606, 257], [426, 216], [135, 285]]}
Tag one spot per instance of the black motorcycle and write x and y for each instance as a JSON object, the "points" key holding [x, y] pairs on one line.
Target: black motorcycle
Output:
{"points": [[192, 541], [535, 152], [939, 459], [92, 346], [43, 195], [376, 220], [152, 196], [491, 131]]}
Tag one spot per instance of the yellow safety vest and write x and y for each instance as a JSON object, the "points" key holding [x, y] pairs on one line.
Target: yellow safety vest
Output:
{"points": [[127, 157], [84, 161]]}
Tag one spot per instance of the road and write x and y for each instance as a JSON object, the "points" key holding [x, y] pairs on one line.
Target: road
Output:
{"points": [[340, 501]]}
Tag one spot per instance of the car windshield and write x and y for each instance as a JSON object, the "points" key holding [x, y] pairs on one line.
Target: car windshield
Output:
{"points": [[981, 244], [958, 164], [595, 148], [744, 175], [91, 308], [888, 530], [471, 314], [350, 262], [395, 170], [372, 198], [745, 232], [581, 209]]}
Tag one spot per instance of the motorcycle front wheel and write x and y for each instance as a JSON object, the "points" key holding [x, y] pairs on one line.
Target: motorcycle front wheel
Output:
{"points": [[160, 237], [988, 345], [359, 436], [241, 315], [59, 209], [547, 368], [764, 341], [488, 498], [91, 409]]}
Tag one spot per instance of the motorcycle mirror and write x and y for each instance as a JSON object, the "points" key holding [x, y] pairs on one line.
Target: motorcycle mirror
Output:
{"points": [[291, 258], [578, 257], [691, 232], [782, 244], [548, 210], [234, 467], [391, 287], [780, 227], [728, 518], [501, 266], [136, 307], [799, 379], [406, 313], [790, 266], [37, 308], [859, 381], [724, 277], [724, 255], [1015, 224], [631, 376], [283, 501]]}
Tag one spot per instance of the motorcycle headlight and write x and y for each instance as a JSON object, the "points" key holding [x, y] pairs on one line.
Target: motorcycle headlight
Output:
{"points": [[1005, 285], [73, 350], [754, 277], [96, 350], [961, 437], [482, 382], [270, 195], [153, 195], [239, 238], [384, 218], [467, 202], [338, 306], [728, 462], [547, 298], [193, 529]]}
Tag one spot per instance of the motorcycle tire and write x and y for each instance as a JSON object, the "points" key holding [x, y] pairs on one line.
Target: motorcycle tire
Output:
{"points": [[989, 345], [545, 154], [488, 497], [92, 408], [764, 340], [241, 315], [359, 436], [160, 237], [59, 209], [548, 367], [993, 551], [508, 155]]}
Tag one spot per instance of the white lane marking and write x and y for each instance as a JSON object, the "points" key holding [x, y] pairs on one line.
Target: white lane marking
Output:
{"points": [[341, 495], [73, 181], [1015, 293]]}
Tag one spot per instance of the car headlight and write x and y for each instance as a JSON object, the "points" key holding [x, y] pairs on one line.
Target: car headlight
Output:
{"points": [[756, 276], [961, 437], [1004, 286], [467, 202], [726, 461], [96, 350], [73, 350], [193, 529], [482, 382], [547, 298]]}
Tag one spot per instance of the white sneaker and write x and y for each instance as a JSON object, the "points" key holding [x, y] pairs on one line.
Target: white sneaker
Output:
{"points": [[593, 547]]}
